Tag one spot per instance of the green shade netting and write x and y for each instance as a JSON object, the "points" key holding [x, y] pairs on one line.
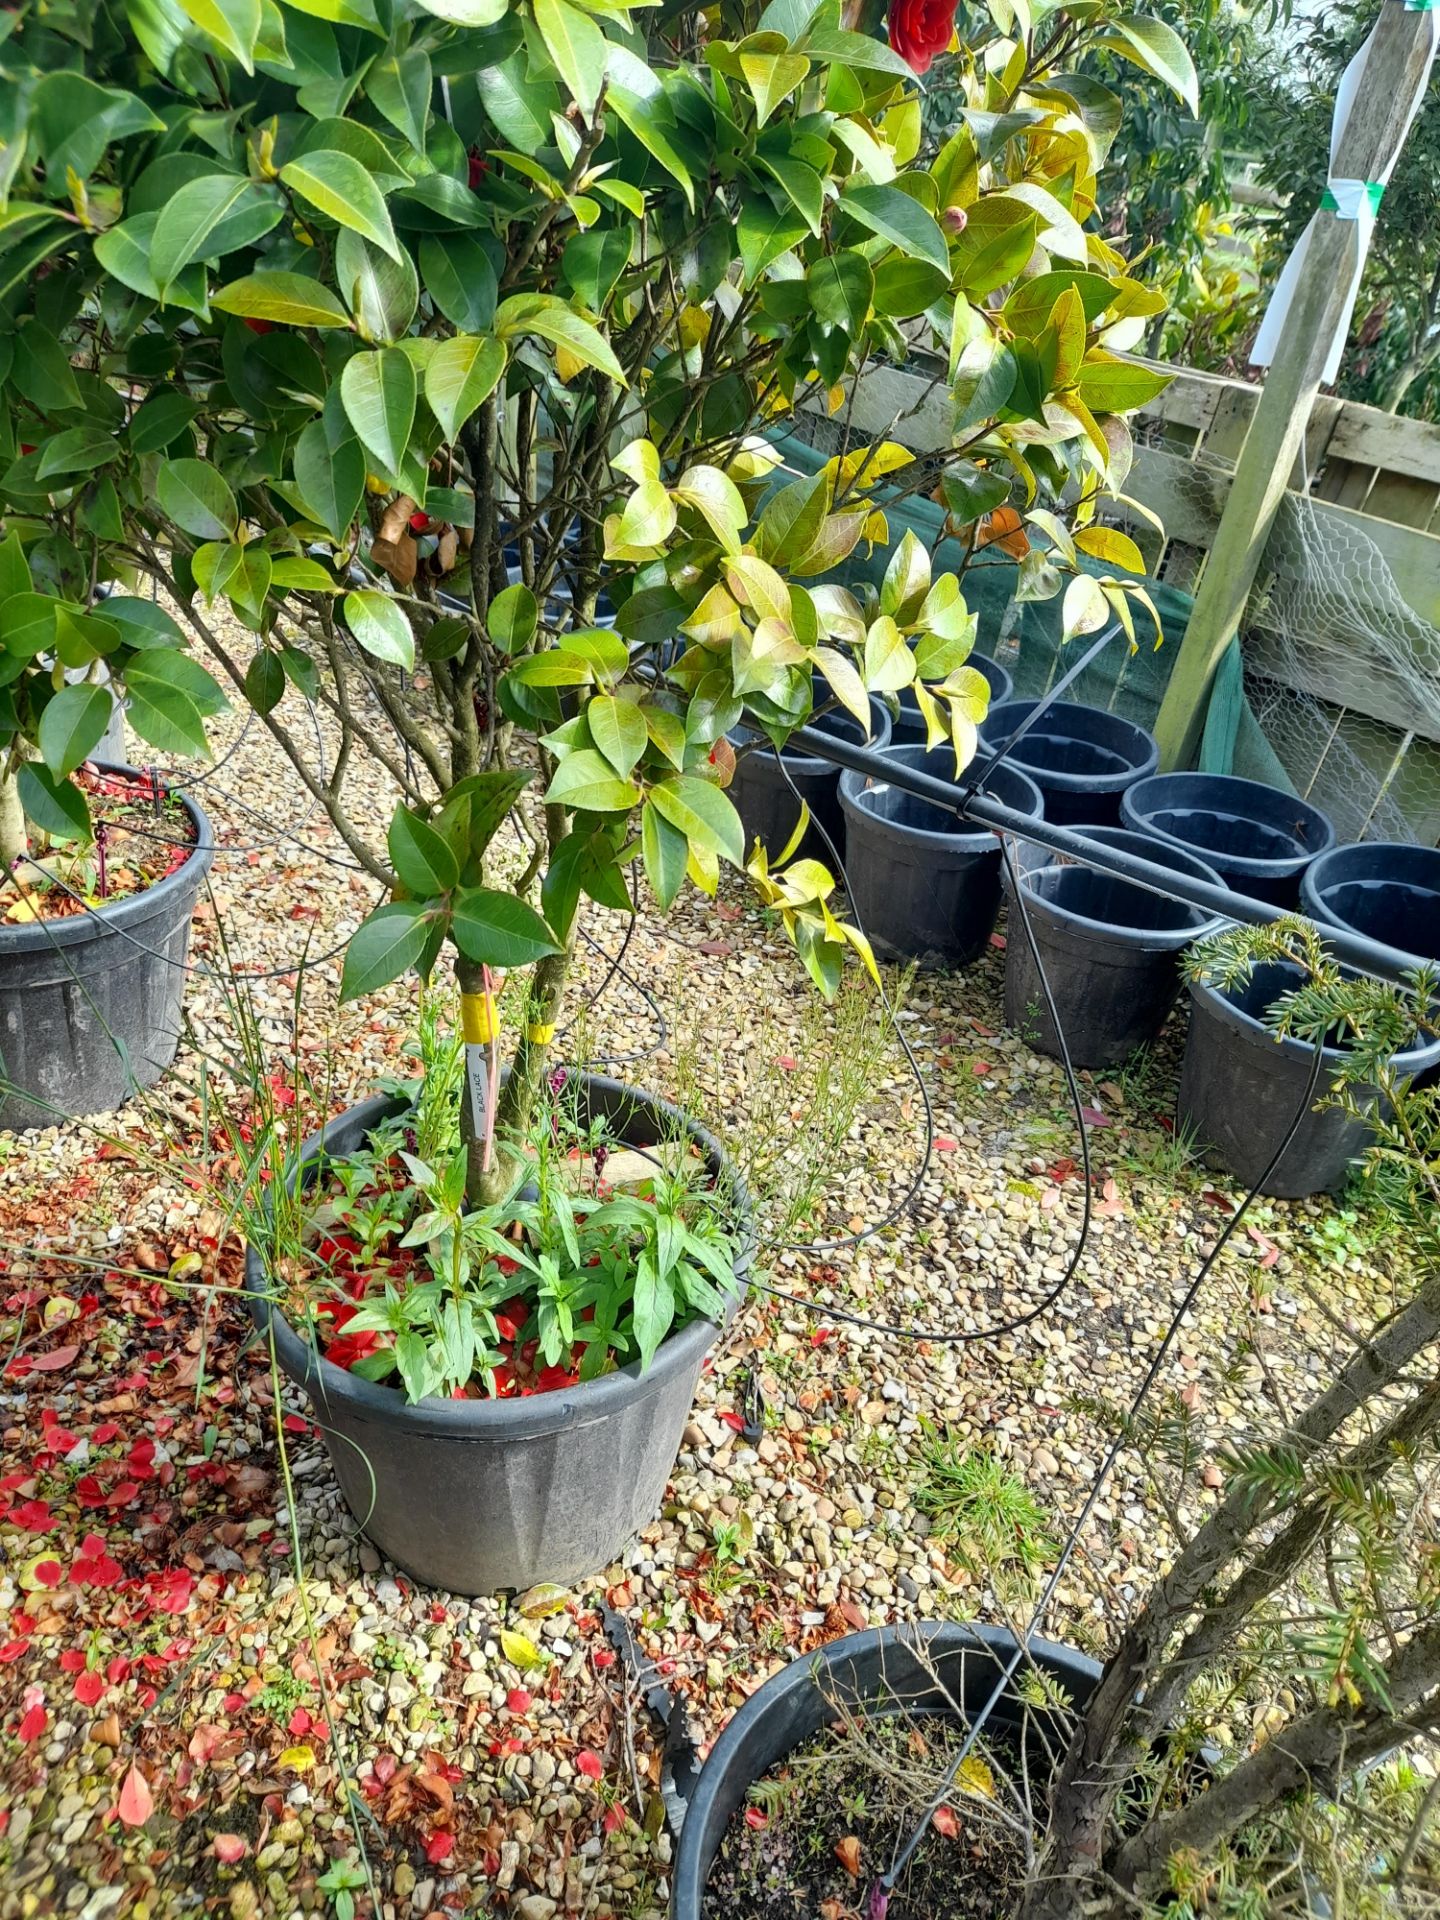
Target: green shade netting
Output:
{"points": [[1025, 638]]}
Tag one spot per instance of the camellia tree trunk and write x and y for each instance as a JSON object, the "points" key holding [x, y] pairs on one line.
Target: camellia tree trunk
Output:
{"points": [[12, 819]]}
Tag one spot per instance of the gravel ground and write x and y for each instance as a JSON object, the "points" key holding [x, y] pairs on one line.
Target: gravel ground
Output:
{"points": [[185, 1725]]}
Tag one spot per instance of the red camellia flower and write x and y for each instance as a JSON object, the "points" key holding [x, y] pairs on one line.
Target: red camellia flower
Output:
{"points": [[919, 29]]}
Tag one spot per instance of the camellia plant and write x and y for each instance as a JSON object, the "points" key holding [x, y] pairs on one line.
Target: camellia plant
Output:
{"points": [[416, 359]]}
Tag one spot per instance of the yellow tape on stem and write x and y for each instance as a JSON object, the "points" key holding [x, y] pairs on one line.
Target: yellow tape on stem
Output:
{"points": [[478, 1021]]}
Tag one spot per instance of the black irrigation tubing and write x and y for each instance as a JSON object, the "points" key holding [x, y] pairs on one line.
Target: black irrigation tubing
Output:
{"points": [[886, 1884], [940, 1336]]}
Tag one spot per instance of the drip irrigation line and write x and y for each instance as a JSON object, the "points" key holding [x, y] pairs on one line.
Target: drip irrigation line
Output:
{"points": [[941, 1336], [1040, 707], [886, 1884]]}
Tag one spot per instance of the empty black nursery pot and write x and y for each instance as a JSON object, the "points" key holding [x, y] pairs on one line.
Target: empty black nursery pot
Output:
{"points": [[908, 729], [1384, 889], [90, 1006], [1259, 839], [1240, 1088], [1081, 758], [1109, 948], [925, 884], [933, 1668], [769, 810]]}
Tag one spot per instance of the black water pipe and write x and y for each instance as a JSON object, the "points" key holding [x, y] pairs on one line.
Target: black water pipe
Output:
{"points": [[1368, 956]]}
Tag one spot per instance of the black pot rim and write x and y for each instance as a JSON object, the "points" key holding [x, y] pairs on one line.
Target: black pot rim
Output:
{"points": [[1131, 738], [688, 1882], [119, 915], [1221, 1008], [977, 839], [1149, 939], [1279, 868], [1332, 869], [517, 1419]]}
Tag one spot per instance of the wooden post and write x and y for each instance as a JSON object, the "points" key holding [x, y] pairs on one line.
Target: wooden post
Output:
{"points": [[1376, 129]]}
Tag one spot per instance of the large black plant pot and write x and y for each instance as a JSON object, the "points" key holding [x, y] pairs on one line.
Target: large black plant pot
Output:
{"points": [[1259, 839], [762, 787], [478, 1496], [1081, 758], [925, 884], [1240, 1087], [1386, 890], [1110, 950], [879, 1667], [90, 1006]]}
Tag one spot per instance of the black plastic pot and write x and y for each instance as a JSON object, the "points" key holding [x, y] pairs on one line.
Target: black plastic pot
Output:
{"points": [[908, 728], [90, 1005], [1240, 1088], [477, 1496], [769, 810], [1081, 758], [1386, 890], [1257, 838], [879, 1668], [925, 884], [1110, 952]]}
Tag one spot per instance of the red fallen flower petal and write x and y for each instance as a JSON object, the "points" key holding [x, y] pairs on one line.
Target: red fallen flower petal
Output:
{"points": [[12, 1650], [229, 1848], [105, 1433], [234, 1703], [136, 1802], [33, 1724], [603, 1657], [942, 1143], [72, 1661], [756, 1819], [33, 1515], [518, 1699], [589, 1763], [89, 1687], [552, 1379], [351, 1347], [439, 1847], [944, 1821], [118, 1670], [89, 1492], [295, 1423], [49, 1573], [614, 1817], [299, 1722], [733, 1421], [384, 1768]]}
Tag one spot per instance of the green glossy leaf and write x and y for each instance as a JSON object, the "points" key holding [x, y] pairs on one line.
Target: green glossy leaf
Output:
{"points": [[618, 729], [704, 814], [421, 856], [55, 807], [1110, 385], [72, 726], [385, 944], [894, 216], [665, 851], [551, 319], [265, 681], [381, 628], [1157, 48], [460, 278], [339, 186], [233, 24], [513, 618], [378, 390], [381, 293], [169, 697], [495, 929], [764, 232], [197, 499], [400, 86], [209, 218], [577, 46], [587, 783], [293, 299], [460, 374]]}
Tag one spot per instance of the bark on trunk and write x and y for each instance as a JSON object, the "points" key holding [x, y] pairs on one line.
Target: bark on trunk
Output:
{"points": [[12, 822], [1121, 1720]]}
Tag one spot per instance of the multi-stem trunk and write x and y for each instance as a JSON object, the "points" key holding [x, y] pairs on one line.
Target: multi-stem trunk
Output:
{"points": [[516, 1098]]}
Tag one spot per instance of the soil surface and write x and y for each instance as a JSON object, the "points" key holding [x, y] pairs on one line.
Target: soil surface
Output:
{"points": [[817, 1832], [142, 835]]}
